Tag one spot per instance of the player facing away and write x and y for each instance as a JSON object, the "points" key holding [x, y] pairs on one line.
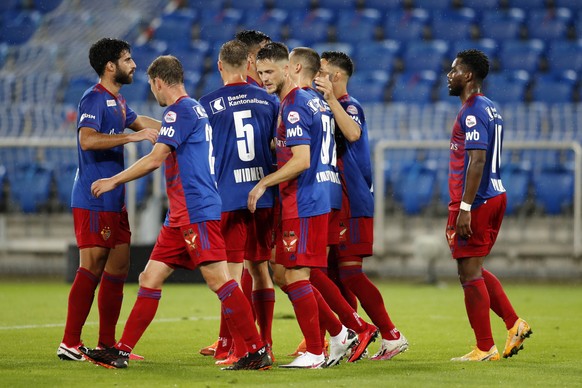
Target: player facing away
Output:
{"points": [[101, 224], [358, 199], [190, 236], [477, 206], [302, 240], [304, 65], [254, 40], [244, 119]]}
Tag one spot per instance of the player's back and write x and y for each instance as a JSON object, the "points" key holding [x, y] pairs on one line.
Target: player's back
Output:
{"points": [[243, 119]]}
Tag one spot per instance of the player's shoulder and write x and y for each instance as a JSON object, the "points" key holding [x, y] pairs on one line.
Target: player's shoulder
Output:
{"points": [[94, 94], [186, 108]]}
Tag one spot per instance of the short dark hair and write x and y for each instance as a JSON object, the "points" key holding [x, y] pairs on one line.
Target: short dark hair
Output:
{"points": [[252, 38], [234, 53], [167, 68], [339, 59], [274, 51], [310, 59], [476, 61], [106, 50]]}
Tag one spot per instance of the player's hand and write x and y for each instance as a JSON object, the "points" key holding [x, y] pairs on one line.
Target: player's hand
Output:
{"points": [[102, 186], [464, 225], [254, 195], [325, 87], [149, 134]]}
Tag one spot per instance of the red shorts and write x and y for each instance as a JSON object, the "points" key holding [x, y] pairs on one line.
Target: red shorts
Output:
{"points": [[303, 242], [356, 237], [333, 232], [189, 246], [248, 236], [485, 224], [101, 229]]}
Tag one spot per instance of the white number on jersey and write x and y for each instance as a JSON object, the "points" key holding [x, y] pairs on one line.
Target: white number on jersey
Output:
{"points": [[208, 131], [327, 146], [245, 135]]}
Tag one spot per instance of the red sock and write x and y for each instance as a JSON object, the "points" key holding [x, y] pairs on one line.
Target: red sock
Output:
{"points": [[246, 284], [332, 295], [239, 317], [263, 305], [224, 337], [141, 316], [327, 319], [80, 300], [109, 300], [500, 303], [306, 310], [477, 304], [333, 273], [370, 298]]}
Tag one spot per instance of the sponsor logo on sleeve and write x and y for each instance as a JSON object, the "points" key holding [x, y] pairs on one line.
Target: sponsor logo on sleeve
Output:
{"points": [[167, 131], [217, 105], [111, 103], [351, 109], [170, 117], [200, 112], [87, 116], [293, 117], [470, 121]]}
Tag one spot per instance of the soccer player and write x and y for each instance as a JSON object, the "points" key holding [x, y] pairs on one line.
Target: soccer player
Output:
{"points": [[255, 40], [304, 65], [305, 206], [477, 206], [190, 236], [101, 224], [358, 199], [244, 119]]}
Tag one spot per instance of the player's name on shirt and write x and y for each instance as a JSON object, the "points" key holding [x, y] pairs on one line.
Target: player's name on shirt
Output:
{"points": [[218, 104], [250, 174], [328, 176]]}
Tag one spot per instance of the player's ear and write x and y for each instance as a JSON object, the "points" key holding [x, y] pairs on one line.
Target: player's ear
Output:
{"points": [[219, 64]]}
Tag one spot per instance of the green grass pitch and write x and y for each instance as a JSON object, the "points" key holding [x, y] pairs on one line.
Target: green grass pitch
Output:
{"points": [[433, 319]]}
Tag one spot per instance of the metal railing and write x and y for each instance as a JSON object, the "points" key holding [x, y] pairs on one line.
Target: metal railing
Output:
{"points": [[379, 180]]}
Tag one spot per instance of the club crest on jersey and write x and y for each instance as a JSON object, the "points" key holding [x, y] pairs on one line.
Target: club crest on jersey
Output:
{"points": [[293, 117], [190, 238], [470, 121], [111, 103], [170, 117], [200, 112], [289, 241], [217, 105], [451, 235], [351, 109], [106, 233]]}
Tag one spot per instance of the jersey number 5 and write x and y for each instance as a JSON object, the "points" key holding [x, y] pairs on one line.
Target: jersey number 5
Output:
{"points": [[245, 135]]}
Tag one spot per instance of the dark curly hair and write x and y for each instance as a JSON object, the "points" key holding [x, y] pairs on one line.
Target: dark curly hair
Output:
{"points": [[476, 61], [339, 59], [106, 50]]}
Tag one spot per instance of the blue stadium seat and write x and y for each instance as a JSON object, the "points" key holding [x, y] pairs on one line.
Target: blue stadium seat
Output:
{"points": [[310, 28], [270, 21], [554, 189], [551, 24], [369, 86], [176, 28], [64, 182], [205, 4], [144, 55], [290, 5], [192, 82], [528, 4], [30, 186], [415, 188], [521, 55], [571, 4], [507, 86], [357, 26], [3, 54], [481, 5], [516, 179], [75, 89], [383, 5], [405, 25], [372, 55], [7, 83], [193, 56], [555, 88], [337, 5], [502, 24], [228, 17], [46, 6], [433, 4], [9, 5], [565, 55], [211, 82], [414, 87], [19, 27], [138, 91], [453, 24], [396, 164], [248, 4], [488, 46], [347, 48], [425, 55]]}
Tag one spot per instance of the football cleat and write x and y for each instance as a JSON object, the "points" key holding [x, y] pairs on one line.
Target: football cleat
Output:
{"points": [[515, 337], [302, 348], [111, 358], [132, 356], [209, 350], [306, 361], [229, 360], [70, 353], [478, 355], [391, 348], [340, 345], [259, 360], [365, 339]]}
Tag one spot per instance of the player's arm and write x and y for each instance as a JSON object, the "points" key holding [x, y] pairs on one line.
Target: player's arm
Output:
{"points": [[143, 166], [143, 122], [91, 140], [298, 163], [473, 177], [348, 126]]}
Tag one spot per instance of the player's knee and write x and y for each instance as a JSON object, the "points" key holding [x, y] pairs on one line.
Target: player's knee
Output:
{"points": [[279, 279]]}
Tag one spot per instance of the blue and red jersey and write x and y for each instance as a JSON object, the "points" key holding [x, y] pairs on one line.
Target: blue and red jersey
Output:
{"points": [[354, 163], [478, 126], [192, 193], [252, 81], [106, 113], [302, 124], [244, 120]]}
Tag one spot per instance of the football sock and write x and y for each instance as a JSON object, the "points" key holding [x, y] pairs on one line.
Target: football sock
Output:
{"points": [[246, 284], [239, 318], [80, 300], [141, 316], [477, 304], [332, 295], [370, 298], [224, 337], [301, 295], [500, 303], [109, 300], [263, 305], [327, 319], [332, 272]]}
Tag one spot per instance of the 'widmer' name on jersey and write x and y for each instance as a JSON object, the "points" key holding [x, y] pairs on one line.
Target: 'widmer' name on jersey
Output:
{"points": [[328, 176], [250, 174]]}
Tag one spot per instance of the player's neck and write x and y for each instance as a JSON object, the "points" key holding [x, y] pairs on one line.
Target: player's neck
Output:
{"points": [[174, 93], [234, 78], [110, 85], [340, 90], [255, 76], [287, 87], [470, 91]]}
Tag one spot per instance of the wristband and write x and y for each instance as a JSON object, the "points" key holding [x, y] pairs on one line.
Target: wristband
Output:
{"points": [[465, 206]]}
